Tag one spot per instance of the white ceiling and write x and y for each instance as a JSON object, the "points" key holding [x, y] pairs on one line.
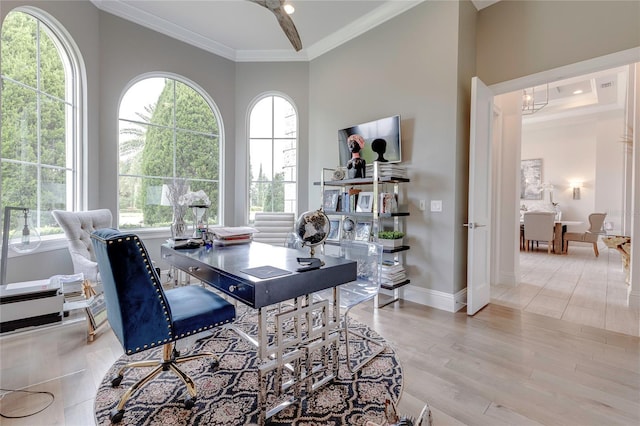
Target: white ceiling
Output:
{"points": [[244, 31]]}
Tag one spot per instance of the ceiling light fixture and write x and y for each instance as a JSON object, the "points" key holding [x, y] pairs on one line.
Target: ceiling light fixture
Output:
{"points": [[577, 92], [534, 100], [289, 8]]}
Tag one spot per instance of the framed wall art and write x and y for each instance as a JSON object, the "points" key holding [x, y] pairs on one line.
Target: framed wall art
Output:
{"points": [[531, 179]]}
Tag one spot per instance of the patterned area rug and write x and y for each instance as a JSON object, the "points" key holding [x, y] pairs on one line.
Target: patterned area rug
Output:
{"points": [[228, 396]]}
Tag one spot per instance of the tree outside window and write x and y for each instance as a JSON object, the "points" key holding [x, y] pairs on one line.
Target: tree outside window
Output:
{"points": [[40, 119], [272, 156], [169, 144]]}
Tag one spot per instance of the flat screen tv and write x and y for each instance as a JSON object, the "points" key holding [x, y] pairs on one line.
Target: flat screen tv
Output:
{"points": [[387, 129]]}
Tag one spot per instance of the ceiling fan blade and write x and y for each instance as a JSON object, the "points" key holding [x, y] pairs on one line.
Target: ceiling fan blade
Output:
{"points": [[285, 21]]}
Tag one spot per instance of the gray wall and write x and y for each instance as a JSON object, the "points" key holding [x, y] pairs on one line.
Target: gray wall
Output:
{"points": [[407, 66], [519, 38], [418, 64]]}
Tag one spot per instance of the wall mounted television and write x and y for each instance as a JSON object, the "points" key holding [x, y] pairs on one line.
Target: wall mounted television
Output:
{"points": [[387, 128]]}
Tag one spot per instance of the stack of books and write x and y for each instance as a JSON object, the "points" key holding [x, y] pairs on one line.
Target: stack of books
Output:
{"points": [[71, 286], [227, 236], [392, 273], [388, 170]]}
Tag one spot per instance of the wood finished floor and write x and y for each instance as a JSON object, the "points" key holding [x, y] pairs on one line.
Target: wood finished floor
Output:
{"points": [[577, 287], [503, 366]]}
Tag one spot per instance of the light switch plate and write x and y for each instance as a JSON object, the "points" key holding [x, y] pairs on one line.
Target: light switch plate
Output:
{"points": [[436, 205]]}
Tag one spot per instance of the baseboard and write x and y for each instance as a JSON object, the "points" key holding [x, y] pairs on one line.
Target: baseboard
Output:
{"points": [[507, 278], [436, 299]]}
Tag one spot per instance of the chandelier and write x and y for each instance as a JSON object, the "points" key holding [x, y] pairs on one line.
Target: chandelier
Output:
{"points": [[534, 99]]}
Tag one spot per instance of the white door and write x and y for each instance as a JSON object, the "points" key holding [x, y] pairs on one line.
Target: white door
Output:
{"points": [[479, 215]]}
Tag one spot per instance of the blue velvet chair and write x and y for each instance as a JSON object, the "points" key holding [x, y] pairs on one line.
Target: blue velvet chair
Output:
{"points": [[144, 316]]}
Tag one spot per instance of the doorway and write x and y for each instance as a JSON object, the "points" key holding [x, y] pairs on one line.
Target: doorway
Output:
{"points": [[561, 286]]}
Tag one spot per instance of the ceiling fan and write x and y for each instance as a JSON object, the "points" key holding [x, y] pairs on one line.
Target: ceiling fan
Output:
{"points": [[285, 21]]}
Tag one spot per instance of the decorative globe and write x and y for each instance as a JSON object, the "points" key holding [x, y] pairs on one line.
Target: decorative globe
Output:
{"points": [[312, 228]]}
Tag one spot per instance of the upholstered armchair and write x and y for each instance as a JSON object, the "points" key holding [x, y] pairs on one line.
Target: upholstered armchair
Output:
{"points": [[590, 236], [144, 316], [77, 227]]}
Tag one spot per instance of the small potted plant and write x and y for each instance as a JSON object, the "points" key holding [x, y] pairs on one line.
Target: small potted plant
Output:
{"points": [[390, 239]]}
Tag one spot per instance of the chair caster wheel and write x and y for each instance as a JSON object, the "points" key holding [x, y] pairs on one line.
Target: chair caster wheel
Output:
{"points": [[214, 365], [115, 382], [189, 402], [116, 415]]}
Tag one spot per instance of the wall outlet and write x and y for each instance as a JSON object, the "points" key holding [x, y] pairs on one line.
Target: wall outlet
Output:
{"points": [[423, 205], [436, 205]]}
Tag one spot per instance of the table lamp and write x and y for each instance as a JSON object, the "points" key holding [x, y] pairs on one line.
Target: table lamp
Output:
{"points": [[22, 239]]}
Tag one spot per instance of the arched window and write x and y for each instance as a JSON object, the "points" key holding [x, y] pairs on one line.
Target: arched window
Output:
{"points": [[41, 117], [170, 145], [273, 141]]}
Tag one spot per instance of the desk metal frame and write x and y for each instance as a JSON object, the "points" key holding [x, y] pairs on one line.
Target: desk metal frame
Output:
{"points": [[303, 331]]}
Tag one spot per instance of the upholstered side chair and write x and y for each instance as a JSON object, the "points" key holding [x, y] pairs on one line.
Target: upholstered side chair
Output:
{"points": [[144, 316], [274, 227], [538, 226], [596, 220], [77, 227]]}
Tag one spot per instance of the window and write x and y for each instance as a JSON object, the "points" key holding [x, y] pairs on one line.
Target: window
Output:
{"points": [[41, 119], [272, 156], [169, 145]]}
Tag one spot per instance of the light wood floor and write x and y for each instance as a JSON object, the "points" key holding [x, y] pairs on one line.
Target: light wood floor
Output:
{"points": [[577, 287], [502, 366]]}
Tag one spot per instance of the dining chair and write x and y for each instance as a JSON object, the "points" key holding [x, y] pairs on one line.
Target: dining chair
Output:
{"points": [[538, 226], [144, 316], [596, 220]]}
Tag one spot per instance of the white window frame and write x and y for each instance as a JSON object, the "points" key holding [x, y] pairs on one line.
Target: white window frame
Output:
{"points": [[160, 231], [76, 131], [252, 105]]}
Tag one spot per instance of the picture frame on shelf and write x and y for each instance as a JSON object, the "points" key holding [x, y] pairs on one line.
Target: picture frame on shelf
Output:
{"points": [[365, 202], [363, 231], [97, 311], [330, 200], [336, 227]]}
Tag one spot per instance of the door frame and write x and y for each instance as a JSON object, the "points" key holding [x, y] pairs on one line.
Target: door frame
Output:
{"points": [[614, 60]]}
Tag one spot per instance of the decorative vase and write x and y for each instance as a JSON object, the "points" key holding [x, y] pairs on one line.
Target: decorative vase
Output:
{"points": [[178, 227]]}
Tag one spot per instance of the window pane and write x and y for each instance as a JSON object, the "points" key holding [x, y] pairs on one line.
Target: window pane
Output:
{"points": [[52, 68], [193, 112], [284, 155], [284, 118], [260, 121], [158, 152], [19, 121], [53, 145], [260, 160], [261, 197], [18, 42], [19, 185], [53, 192], [132, 137], [140, 100], [197, 156]]}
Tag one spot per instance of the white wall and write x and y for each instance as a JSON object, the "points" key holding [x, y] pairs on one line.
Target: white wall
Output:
{"points": [[587, 150]]}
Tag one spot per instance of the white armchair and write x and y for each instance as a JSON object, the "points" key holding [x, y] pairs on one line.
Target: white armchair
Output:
{"points": [[77, 227]]}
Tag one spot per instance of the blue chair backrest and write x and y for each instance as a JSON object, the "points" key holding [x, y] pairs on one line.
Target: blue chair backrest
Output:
{"points": [[137, 308]]}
